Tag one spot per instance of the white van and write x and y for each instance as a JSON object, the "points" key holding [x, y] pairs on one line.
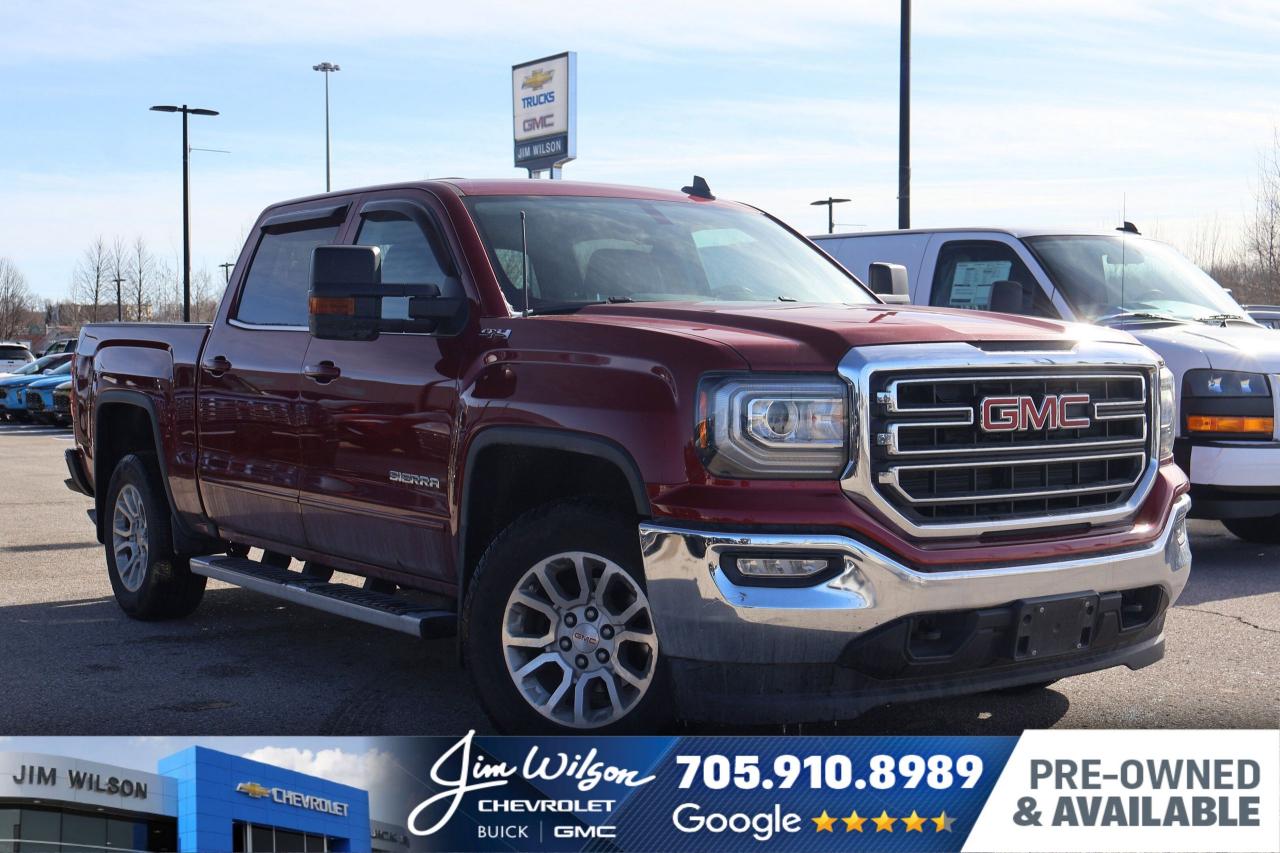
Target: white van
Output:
{"points": [[1227, 365]]}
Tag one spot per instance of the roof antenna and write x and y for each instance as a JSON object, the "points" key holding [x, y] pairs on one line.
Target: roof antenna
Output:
{"points": [[699, 189], [524, 264]]}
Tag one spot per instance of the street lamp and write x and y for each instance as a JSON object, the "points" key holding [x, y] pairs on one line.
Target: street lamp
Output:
{"points": [[119, 304], [831, 208], [904, 117], [326, 68], [186, 200]]}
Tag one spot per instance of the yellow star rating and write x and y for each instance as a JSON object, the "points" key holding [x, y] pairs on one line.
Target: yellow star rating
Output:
{"points": [[914, 822]]}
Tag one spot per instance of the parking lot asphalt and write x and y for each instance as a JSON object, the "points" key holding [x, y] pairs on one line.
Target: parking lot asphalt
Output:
{"points": [[71, 663]]}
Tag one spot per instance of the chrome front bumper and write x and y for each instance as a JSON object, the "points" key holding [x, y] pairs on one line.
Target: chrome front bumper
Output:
{"points": [[702, 616]]}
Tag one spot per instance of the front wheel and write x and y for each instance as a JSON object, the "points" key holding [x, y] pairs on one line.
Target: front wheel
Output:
{"points": [[149, 580], [558, 630], [1264, 531]]}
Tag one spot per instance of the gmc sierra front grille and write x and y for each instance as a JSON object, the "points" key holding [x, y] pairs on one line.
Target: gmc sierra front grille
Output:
{"points": [[966, 446]]}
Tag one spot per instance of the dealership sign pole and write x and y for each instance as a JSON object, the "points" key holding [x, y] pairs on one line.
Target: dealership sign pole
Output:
{"points": [[544, 94]]}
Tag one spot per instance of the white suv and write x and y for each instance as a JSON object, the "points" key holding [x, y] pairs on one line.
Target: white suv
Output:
{"points": [[14, 355]]}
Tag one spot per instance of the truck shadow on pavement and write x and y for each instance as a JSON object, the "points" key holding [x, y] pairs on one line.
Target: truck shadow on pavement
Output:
{"points": [[244, 664]]}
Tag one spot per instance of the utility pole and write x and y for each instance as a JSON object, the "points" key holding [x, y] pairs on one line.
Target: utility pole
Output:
{"points": [[119, 304], [831, 203], [226, 270], [904, 120], [327, 68], [186, 200]]}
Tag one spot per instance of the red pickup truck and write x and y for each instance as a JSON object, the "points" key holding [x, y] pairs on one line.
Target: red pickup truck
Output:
{"points": [[649, 454]]}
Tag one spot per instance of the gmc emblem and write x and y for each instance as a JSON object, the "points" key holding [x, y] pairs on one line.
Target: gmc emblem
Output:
{"points": [[1013, 414]]}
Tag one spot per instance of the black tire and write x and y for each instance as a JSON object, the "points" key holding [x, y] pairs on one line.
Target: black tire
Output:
{"points": [[160, 585], [607, 537], [1264, 531]]}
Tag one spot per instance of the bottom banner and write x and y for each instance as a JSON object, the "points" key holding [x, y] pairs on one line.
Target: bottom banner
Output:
{"points": [[1047, 790]]}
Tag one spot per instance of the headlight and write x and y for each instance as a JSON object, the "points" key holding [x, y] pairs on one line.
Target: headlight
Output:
{"points": [[1227, 404], [1216, 384], [1168, 404], [781, 427]]}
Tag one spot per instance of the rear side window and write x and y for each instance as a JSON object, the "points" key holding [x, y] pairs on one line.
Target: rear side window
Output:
{"points": [[275, 289], [967, 270], [20, 353]]}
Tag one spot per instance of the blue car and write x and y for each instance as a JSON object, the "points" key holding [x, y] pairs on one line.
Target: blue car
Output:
{"points": [[13, 397], [50, 402]]}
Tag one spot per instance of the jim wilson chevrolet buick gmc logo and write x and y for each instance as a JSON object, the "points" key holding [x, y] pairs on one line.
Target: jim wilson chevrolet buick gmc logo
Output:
{"points": [[1013, 414]]}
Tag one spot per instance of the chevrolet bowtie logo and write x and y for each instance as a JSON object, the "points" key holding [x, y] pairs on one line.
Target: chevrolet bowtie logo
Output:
{"points": [[253, 789], [537, 79]]}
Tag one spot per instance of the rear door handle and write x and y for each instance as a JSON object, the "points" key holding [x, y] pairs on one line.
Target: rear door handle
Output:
{"points": [[217, 365], [324, 372]]}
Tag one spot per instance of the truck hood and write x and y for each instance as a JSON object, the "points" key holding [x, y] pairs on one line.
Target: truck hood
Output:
{"points": [[816, 337], [1256, 350]]}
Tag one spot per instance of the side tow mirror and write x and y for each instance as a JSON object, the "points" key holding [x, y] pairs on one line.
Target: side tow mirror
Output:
{"points": [[889, 282], [344, 304], [1009, 297], [348, 301]]}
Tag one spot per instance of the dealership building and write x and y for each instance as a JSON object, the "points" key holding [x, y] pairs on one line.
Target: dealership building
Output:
{"points": [[198, 800]]}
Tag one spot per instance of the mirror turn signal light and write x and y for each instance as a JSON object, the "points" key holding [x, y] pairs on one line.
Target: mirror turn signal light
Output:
{"points": [[333, 305], [1233, 424]]}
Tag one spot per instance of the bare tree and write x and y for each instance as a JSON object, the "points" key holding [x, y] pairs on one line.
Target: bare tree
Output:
{"points": [[205, 293], [90, 279], [1262, 232], [142, 272], [16, 299]]}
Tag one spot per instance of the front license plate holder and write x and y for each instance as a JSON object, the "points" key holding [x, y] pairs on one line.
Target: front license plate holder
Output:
{"points": [[1055, 625]]}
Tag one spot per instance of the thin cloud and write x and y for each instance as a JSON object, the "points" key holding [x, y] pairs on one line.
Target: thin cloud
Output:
{"points": [[364, 770]]}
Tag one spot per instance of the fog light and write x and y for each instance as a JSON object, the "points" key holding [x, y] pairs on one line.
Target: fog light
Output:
{"points": [[781, 567]]}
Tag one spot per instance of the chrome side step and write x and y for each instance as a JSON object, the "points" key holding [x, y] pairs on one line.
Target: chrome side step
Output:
{"points": [[374, 608]]}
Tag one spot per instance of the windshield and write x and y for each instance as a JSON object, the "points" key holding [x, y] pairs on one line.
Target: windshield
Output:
{"points": [[588, 249], [36, 366], [1103, 277]]}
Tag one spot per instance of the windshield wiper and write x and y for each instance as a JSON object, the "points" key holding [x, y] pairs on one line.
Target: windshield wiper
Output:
{"points": [[570, 307], [1220, 318], [1140, 315]]}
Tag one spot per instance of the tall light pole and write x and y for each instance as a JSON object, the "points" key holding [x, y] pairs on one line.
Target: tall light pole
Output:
{"points": [[831, 208], [326, 68], [226, 270], [186, 200], [904, 119], [119, 304]]}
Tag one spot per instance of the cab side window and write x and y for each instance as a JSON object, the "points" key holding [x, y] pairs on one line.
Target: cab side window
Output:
{"points": [[410, 255], [275, 288], [967, 269]]}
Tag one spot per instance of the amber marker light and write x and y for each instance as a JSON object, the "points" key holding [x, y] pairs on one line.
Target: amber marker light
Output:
{"points": [[333, 305], [1233, 424]]}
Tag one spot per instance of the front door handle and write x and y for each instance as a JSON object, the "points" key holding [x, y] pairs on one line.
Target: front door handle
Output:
{"points": [[216, 366], [324, 372]]}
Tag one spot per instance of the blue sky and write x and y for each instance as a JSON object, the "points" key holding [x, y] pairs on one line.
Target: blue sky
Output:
{"points": [[1047, 112]]}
